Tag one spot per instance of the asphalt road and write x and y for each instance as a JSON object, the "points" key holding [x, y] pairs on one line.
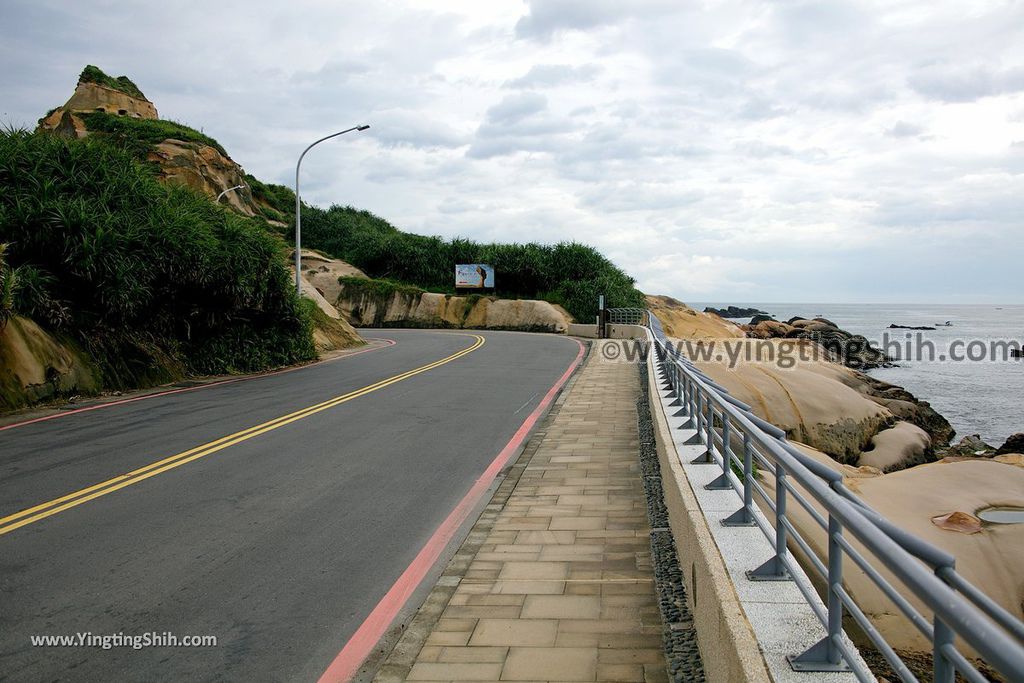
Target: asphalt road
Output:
{"points": [[279, 541]]}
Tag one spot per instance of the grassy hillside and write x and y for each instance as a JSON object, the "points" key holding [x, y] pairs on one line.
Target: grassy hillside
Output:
{"points": [[569, 273], [153, 280]]}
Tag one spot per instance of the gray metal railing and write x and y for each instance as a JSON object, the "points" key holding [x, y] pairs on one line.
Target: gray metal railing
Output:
{"points": [[740, 443], [627, 316]]}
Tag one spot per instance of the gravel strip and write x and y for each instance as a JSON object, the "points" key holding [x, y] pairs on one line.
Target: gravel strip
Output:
{"points": [[678, 633]]}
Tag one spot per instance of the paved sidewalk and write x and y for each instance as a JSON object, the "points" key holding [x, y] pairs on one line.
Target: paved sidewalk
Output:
{"points": [[561, 588]]}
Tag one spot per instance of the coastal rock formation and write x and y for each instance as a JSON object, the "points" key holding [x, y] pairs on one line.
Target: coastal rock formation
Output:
{"points": [[1014, 444], [379, 305], [852, 417], [682, 322], [992, 556], [901, 446], [735, 312], [814, 401], [852, 350], [894, 326]]}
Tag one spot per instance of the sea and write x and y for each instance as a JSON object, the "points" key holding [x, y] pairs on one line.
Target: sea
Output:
{"points": [[962, 369]]}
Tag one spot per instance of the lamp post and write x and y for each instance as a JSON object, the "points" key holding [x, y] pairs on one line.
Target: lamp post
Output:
{"points": [[230, 189], [298, 206]]}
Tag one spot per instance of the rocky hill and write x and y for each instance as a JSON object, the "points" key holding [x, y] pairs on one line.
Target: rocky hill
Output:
{"points": [[116, 107]]}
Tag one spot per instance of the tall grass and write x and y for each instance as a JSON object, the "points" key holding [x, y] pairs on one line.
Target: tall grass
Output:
{"points": [[569, 273], [8, 284], [145, 275], [140, 135]]}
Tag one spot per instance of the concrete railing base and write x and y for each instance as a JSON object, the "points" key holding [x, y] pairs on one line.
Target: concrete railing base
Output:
{"points": [[745, 628]]}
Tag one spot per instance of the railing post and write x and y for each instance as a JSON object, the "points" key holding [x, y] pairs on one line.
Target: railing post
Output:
{"points": [[775, 568], [825, 654], [942, 667], [721, 482], [745, 515], [700, 417]]}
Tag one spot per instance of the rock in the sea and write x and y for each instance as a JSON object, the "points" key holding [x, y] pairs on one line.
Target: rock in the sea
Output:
{"points": [[894, 326], [769, 329], [760, 318], [1015, 444], [735, 312], [969, 446]]}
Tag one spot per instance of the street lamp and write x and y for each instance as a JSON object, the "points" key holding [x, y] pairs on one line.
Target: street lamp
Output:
{"points": [[298, 206], [236, 187]]}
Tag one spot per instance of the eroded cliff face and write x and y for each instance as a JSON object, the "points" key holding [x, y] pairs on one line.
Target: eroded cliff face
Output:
{"points": [[204, 169], [365, 308]]}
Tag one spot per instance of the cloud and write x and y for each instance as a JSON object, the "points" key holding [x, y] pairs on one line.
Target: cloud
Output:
{"points": [[960, 83], [547, 17], [550, 75], [705, 147], [903, 129]]}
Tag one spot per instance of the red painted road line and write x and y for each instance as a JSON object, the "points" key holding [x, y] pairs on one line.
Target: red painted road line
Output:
{"points": [[362, 642], [65, 413]]}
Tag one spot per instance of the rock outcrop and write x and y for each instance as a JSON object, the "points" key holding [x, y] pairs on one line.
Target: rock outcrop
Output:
{"points": [[735, 312], [374, 305], [35, 366], [1014, 444], [202, 167], [852, 350], [682, 322]]}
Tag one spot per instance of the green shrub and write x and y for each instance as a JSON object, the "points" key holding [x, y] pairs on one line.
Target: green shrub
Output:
{"points": [[142, 273], [280, 199], [569, 273], [93, 74], [8, 285], [139, 135]]}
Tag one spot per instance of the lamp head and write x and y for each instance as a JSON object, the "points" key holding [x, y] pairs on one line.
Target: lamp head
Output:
{"points": [[362, 127]]}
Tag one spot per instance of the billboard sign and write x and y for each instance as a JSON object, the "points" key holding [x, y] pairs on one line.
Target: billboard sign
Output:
{"points": [[474, 276]]}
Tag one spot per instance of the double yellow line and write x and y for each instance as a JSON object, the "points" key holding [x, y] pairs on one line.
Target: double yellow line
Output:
{"points": [[58, 505]]}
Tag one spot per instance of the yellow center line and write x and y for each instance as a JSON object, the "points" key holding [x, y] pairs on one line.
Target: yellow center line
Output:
{"points": [[75, 498]]}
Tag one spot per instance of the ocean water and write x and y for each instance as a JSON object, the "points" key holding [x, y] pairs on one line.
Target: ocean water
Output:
{"points": [[984, 396]]}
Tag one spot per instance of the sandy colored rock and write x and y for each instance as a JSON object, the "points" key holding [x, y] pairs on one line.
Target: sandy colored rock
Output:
{"points": [[90, 97], [814, 402], [323, 272], [768, 329], [204, 169], [1010, 459], [330, 331], [992, 558], [36, 366], [961, 522], [682, 322], [367, 308], [902, 445]]}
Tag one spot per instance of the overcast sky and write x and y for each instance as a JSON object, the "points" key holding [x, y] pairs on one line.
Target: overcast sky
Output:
{"points": [[727, 152]]}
